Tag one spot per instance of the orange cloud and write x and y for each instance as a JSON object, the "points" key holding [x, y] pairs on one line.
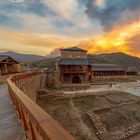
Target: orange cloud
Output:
{"points": [[120, 39], [35, 43], [99, 2], [114, 41]]}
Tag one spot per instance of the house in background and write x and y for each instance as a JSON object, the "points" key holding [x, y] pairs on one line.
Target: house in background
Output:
{"points": [[73, 67], [8, 65], [107, 70]]}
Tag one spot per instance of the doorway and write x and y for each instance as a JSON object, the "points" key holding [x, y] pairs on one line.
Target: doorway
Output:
{"points": [[76, 79]]}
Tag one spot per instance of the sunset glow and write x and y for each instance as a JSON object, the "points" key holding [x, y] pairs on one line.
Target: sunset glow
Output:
{"points": [[99, 2], [116, 40], [100, 26]]}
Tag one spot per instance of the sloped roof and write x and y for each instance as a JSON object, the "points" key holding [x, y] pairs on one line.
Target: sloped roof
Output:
{"points": [[106, 67], [73, 62], [3, 57], [102, 64], [73, 49]]}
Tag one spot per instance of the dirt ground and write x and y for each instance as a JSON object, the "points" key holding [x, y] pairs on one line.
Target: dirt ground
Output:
{"points": [[117, 112]]}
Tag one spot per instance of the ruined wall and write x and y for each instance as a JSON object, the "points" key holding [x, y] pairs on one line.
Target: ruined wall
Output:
{"points": [[53, 80], [53, 77], [74, 54]]}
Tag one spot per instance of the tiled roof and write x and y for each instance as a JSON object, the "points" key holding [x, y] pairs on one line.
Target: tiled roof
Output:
{"points": [[73, 49], [2, 57], [106, 67], [103, 64], [73, 62]]}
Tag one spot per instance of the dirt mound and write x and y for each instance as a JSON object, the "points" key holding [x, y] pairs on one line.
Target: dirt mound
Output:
{"points": [[113, 116]]}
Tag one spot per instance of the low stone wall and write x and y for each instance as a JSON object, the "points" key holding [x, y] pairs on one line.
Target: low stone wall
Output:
{"points": [[101, 130]]}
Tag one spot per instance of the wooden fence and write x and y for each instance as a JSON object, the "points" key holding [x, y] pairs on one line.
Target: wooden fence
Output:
{"points": [[37, 124]]}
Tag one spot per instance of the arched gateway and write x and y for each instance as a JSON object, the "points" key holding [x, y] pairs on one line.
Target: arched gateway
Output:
{"points": [[76, 79]]}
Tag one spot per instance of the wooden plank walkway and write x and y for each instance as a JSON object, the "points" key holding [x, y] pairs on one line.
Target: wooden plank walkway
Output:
{"points": [[10, 129]]}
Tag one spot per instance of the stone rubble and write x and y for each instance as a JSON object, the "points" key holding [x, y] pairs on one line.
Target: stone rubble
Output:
{"points": [[103, 134]]}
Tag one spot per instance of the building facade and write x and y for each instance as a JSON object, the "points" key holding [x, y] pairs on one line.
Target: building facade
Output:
{"points": [[8, 65], [73, 66]]}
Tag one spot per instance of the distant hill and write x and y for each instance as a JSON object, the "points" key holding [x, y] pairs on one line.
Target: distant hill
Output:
{"points": [[23, 57], [116, 58]]}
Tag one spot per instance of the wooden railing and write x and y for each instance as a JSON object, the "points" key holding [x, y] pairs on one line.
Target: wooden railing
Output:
{"points": [[37, 124]]}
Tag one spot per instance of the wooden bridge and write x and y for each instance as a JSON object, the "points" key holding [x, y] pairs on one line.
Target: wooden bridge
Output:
{"points": [[33, 122]]}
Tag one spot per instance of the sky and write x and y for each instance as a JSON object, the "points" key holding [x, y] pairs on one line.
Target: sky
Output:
{"points": [[43, 26]]}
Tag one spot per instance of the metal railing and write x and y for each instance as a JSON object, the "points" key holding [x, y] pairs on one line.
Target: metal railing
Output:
{"points": [[37, 124]]}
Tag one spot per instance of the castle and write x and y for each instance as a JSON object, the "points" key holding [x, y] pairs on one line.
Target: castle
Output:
{"points": [[73, 66]]}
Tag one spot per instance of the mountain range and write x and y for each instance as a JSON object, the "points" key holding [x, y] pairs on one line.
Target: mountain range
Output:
{"points": [[115, 58], [23, 57]]}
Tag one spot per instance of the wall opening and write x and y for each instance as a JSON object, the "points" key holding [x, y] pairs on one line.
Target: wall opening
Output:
{"points": [[76, 79]]}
